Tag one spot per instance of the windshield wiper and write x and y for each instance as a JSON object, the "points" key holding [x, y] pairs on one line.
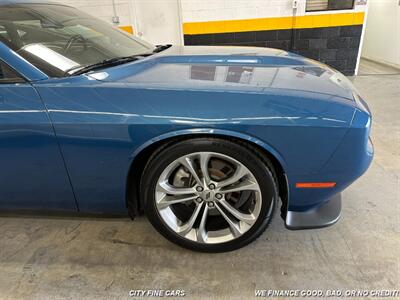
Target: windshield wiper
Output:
{"points": [[160, 48], [79, 70], [103, 64]]}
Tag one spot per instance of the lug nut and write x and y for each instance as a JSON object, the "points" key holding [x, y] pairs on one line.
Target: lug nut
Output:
{"points": [[210, 204], [211, 186], [199, 200], [218, 196], [199, 189]]}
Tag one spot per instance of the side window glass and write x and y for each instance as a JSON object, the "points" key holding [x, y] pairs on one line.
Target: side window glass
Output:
{"points": [[8, 75], [4, 34]]}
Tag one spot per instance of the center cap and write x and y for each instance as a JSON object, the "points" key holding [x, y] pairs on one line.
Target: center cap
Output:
{"points": [[208, 195]]}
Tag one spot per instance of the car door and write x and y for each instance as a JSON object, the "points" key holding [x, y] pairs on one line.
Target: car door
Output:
{"points": [[32, 171]]}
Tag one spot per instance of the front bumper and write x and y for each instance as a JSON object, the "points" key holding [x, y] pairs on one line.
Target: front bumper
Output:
{"points": [[320, 207], [327, 214]]}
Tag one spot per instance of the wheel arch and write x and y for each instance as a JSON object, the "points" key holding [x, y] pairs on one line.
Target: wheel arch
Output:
{"points": [[141, 156]]}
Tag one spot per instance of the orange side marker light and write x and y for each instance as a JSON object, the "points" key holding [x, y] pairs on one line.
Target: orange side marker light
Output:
{"points": [[315, 185]]}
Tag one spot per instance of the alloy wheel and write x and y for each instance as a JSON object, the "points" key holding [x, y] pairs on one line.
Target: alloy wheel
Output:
{"points": [[208, 197]]}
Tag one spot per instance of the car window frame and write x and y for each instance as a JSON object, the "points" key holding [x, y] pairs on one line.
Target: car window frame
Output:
{"points": [[19, 80]]}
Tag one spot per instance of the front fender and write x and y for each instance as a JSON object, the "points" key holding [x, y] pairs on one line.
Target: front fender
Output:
{"points": [[211, 131]]}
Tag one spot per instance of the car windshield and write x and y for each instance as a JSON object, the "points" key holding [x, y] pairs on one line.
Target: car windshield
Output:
{"points": [[57, 38]]}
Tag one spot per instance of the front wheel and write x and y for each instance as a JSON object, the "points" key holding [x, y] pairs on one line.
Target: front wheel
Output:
{"points": [[209, 194]]}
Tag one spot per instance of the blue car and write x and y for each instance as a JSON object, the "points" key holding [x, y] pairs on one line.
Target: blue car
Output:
{"points": [[207, 141]]}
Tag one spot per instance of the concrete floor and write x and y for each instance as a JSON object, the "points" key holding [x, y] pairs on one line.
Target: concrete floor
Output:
{"points": [[57, 258], [369, 67]]}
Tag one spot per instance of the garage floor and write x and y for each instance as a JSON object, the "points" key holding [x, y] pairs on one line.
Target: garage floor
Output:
{"points": [[60, 258], [369, 67]]}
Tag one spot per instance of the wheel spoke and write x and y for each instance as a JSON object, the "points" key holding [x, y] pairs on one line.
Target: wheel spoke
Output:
{"points": [[201, 231], [239, 174], [234, 226], [187, 162], [186, 186], [188, 226], [204, 160], [166, 201], [247, 218], [166, 188], [246, 185]]}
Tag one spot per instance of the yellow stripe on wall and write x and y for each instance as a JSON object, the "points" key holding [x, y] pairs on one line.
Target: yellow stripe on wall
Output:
{"points": [[309, 21], [128, 29]]}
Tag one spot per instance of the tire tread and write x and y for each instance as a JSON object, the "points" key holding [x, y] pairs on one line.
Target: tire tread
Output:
{"points": [[228, 143]]}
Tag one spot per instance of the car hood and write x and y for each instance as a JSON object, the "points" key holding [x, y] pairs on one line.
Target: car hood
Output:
{"points": [[230, 69]]}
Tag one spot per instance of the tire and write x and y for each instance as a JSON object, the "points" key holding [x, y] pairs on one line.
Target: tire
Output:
{"points": [[217, 227]]}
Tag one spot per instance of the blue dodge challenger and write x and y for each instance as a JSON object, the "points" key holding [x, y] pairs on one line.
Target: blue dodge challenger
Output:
{"points": [[206, 141]]}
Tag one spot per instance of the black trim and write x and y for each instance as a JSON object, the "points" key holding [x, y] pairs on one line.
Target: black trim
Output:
{"points": [[324, 215], [14, 80]]}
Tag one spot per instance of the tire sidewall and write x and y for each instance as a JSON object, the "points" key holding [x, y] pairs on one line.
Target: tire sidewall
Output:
{"points": [[248, 158]]}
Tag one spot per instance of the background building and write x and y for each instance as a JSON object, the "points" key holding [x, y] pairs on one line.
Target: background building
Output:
{"points": [[325, 30]]}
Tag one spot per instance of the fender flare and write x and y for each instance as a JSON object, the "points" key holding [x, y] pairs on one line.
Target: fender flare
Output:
{"points": [[215, 132]]}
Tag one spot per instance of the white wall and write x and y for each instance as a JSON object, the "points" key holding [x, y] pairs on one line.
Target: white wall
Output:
{"points": [[158, 21], [103, 9], [382, 34], [216, 10], [191, 10]]}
